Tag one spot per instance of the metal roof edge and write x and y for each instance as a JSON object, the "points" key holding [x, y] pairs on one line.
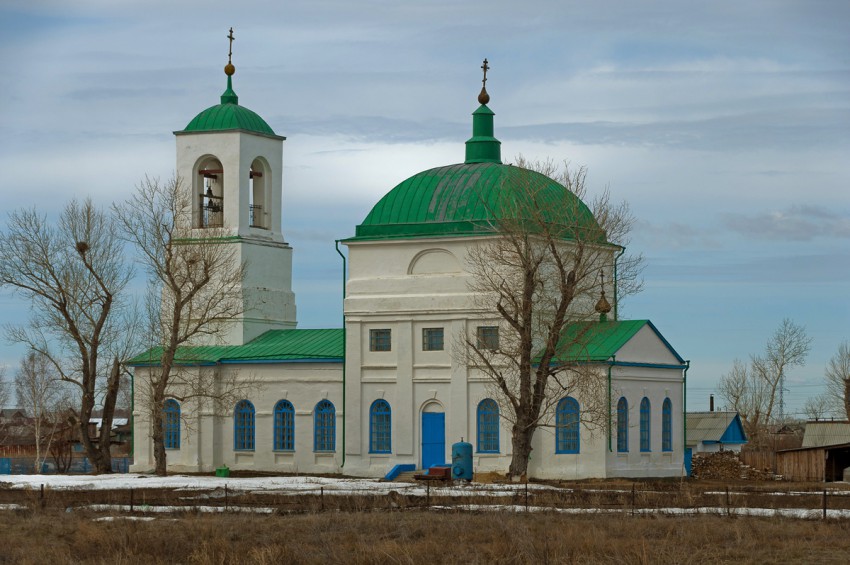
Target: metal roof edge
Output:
{"points": [[229, 130]]}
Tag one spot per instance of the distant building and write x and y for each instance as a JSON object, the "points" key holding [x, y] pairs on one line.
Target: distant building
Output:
{"points": [[709, 432]]}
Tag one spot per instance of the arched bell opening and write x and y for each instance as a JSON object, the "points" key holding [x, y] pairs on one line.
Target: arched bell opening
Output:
{"points": [[210, 195], [258, 208]]}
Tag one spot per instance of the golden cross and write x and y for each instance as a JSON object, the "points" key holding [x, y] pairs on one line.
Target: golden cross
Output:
{"points": [[230, 50], [486, 67]]}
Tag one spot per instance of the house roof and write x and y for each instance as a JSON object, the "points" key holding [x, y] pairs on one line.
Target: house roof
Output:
{"points": [[600, 341], [714, 427], [272, 346], [820, 434]]}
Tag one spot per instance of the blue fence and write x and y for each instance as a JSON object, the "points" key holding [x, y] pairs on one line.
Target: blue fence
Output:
{"points": [[79, 466]]}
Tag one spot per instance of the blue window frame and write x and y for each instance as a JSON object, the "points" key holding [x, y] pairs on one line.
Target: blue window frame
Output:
{"points": [[667, 425], [380, 427], [488, 337], [488, 426], [432, 339], [284, 426], [324, 426], [171, 424], [623, 425], [380, 340], [645, 412], [567, 426], [243, 426]]}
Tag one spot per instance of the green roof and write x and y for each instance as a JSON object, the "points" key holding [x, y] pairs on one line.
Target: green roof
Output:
{"points": [[272, 346], [596, 341], [470, 199], [228, 115]]}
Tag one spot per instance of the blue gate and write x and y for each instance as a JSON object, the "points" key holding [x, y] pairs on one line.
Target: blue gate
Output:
{"points": [[433, 439], [689, 456]]}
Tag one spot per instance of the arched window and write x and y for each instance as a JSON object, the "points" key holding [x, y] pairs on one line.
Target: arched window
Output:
{"points": [[324, 426], [171, 424], [488, 426], [243, 426], [566, 426], [284, 426], [257, 209], [380, 427], [210, 193], [644, 424], [623, 425], [667, 425]]}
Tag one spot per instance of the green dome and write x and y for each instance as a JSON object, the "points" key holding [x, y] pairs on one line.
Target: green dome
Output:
{"points": [[470, 199], [229, 115]]}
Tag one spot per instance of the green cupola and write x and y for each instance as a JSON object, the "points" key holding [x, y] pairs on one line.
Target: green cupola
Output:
{"points": [[228, 115], [470, 198], [482, 147]]}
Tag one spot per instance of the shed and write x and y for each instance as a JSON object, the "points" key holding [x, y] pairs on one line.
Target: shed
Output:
{"points": [[820, 463], [709, 432]]}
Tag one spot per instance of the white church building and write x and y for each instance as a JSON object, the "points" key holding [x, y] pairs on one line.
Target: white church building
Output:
{"points": [[386, 391]]}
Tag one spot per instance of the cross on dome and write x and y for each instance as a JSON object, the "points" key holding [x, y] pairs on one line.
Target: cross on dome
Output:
{"points": [[483, 97]]}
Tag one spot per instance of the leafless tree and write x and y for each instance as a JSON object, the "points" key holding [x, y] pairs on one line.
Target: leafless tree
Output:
{"points": [[838, 379], [73, 274], [4, 387], [38, 392], [755, 391], [817, 407], [193, 296], [541, 277]]}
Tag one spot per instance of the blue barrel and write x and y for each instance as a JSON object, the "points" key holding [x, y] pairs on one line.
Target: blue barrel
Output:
{"points": [[462, 461]]}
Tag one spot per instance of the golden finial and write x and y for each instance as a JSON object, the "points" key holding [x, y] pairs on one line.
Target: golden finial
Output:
{"points": [[483, 97], [229, 69]]}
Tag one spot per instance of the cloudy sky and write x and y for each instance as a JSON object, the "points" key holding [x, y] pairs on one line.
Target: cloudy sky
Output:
{"points": [[725, 125]]}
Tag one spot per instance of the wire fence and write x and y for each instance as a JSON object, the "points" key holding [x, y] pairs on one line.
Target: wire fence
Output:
{"points": [[638, 500]]}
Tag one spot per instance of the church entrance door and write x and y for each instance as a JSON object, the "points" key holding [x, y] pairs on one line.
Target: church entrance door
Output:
{"points": [[433, 437]]}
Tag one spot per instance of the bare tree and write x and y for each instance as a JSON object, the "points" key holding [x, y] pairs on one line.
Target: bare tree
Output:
{"points": [[4, 387], [817, 407], [193, 296], [540, 272], [756, 391], [38, 392], [73, 275], [838, 379]]}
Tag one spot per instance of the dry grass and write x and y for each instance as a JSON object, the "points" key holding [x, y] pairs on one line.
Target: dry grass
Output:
{"points": [[418, 537]]}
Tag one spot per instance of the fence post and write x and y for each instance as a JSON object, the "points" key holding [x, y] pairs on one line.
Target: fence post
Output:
{"points": [[824, 504], [131, 500], [633, 499], [41, 496], [526, 494], [225, 497], [728, 512], [322, 495], [428, 494]]}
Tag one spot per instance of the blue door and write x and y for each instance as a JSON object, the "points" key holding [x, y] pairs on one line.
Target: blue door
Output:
{"points": [[433, 439], [689, 455]]}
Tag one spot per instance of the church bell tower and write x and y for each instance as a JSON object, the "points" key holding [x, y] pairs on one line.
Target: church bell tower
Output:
{"points": [[230, 161]]}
